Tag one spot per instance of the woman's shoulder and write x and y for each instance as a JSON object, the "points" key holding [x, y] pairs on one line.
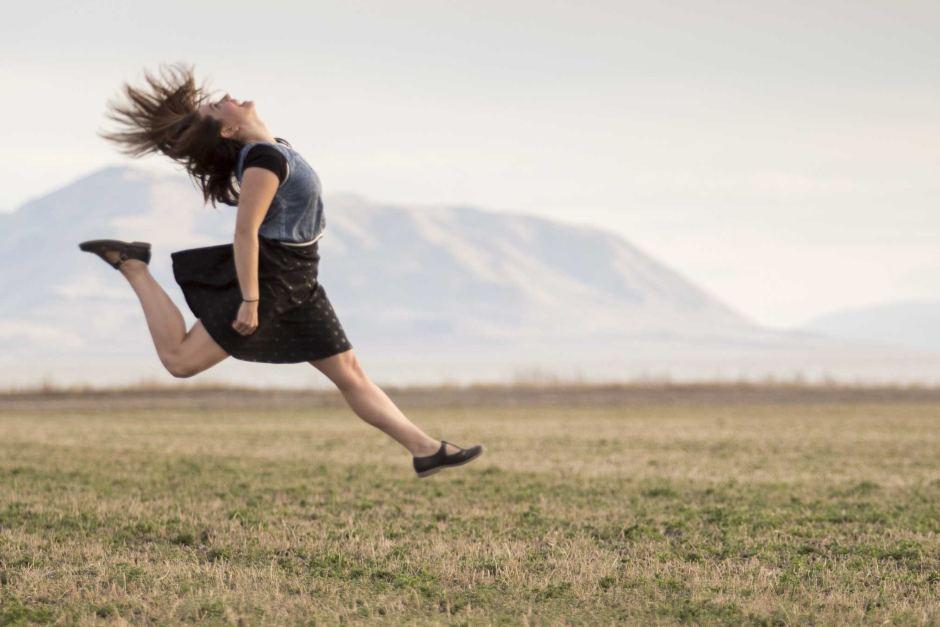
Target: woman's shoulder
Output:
{"points": [[260, 151], [281, 146], [266, 155]]}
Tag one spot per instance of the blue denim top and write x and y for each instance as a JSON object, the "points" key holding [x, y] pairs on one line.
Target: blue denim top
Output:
{"points": [[296, 212]]}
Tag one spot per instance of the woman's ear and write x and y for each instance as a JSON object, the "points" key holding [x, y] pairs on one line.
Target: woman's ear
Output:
{"points": [[229, 131]]}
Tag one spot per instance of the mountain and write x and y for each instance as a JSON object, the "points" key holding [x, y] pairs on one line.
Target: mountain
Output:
{"points": [[907, 324], [426, 295]]}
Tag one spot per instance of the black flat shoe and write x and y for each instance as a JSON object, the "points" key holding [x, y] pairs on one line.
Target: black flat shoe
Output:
{"points": [[125, 250], [430, 464]]}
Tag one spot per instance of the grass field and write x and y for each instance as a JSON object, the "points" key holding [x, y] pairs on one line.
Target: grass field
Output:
{"points": [[639, 506]]}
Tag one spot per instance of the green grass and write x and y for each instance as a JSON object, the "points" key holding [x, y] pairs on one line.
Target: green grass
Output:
{"points": [[656, 513]]}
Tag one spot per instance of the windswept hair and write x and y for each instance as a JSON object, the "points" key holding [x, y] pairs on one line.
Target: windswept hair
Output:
{"points": [[163, 116]]}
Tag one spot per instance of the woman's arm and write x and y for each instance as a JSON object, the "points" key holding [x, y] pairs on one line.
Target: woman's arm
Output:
{"points": [[258, 188]]}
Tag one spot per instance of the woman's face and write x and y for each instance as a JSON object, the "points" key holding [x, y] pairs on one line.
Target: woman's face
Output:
{"points": [[233, 114]]}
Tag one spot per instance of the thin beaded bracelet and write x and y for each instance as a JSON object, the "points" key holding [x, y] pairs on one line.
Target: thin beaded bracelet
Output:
{"points": [[255, 300]]}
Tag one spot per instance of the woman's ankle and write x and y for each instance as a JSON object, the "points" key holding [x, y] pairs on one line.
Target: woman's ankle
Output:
{"points": [[133, 267], [426, 448]]}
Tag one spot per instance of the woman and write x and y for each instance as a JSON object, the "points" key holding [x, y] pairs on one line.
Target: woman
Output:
{"points": [[258, 298]]}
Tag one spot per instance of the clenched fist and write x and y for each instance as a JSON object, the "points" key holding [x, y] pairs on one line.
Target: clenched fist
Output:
{"points": [[246, 322]]}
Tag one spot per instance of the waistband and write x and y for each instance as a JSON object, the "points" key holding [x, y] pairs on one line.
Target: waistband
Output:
{"points": [[310, 243]]}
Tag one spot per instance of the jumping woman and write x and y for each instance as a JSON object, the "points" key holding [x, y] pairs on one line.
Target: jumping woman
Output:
{"points": [[257, 298]]}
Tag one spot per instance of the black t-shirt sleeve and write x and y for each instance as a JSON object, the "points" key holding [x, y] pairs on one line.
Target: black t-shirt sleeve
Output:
{"points": [[268, 157]]}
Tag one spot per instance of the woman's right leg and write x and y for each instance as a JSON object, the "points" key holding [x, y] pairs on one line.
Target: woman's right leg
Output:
{"points": [[182, 354], [373, 405]]}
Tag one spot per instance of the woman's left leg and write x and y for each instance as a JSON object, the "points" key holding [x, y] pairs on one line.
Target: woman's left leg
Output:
{"points": [[183, 353], [371, 404]]}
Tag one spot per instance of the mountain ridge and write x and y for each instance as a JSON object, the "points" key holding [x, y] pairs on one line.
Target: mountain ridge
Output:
{"points": [[457, 292], [909, 323]]}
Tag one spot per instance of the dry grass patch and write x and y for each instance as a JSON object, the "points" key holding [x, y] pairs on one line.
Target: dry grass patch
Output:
{"points": [[649, 513]]}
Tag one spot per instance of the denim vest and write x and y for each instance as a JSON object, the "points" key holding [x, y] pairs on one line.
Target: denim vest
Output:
{"points": [[296, 212]]}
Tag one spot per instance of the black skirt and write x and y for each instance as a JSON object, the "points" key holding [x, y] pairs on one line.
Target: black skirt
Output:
{"points": [[296, 321]]}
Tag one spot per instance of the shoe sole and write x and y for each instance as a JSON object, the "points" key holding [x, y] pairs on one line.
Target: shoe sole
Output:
{"points": [[428, 473], [92, 244]]}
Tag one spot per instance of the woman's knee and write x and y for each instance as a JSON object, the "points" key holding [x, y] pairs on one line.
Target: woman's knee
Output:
{"points": [[353, 375], [197, 352], [346, 372], [178, 366]]}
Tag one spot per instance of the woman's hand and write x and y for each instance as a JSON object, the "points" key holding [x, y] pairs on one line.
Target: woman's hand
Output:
{"points": [[247, 321]]}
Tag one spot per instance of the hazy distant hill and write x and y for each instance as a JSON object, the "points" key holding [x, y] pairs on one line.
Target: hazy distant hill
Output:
{"points": [[454, 294], [910, 324]]}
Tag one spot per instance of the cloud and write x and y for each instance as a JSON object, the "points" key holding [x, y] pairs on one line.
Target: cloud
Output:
{"points": [[20, 332]]}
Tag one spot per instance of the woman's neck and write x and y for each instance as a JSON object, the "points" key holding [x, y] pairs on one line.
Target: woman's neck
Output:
{"points": [[258, 134]]}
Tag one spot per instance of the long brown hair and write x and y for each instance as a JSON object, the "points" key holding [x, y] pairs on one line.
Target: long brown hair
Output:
{"points": [[165, 118]]}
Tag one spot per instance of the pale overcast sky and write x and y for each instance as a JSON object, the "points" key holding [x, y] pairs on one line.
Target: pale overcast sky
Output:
{"points": [[782, 155]]}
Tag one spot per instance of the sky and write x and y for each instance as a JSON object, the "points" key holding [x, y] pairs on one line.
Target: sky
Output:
{"points": [[783, 156]]}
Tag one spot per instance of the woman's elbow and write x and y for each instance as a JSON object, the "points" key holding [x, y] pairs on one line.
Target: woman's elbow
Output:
{"points": [[246, 234]]}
